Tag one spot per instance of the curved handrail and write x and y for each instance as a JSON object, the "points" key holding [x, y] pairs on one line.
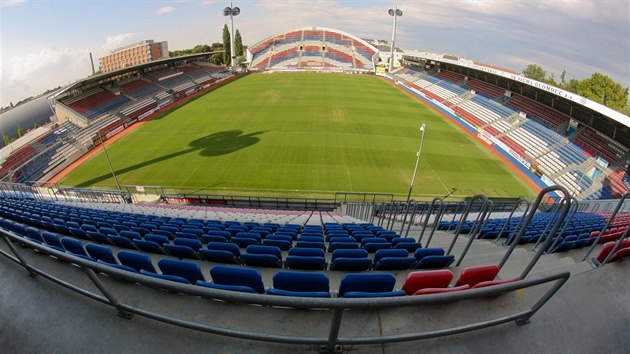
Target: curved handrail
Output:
{"points": [[527, 221], [608, 222], [337, 305], [550, 222], [413, 216], [484, 201], [463, 204], [407, 209], [436, 220], [481, 221], [516, 206], [558, 240]]}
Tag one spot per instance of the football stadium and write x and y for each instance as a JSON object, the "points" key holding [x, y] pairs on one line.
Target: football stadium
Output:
{"points": [[180, 205]]}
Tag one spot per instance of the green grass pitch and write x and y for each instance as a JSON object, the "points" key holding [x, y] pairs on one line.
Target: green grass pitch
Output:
{"points": [[301, 134]]}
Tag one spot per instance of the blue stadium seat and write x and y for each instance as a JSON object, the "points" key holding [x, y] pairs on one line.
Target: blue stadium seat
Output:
{"points": [[189, 235], [148, 246], [187, 270], [101, 253], [137, 261], [306, 259], [368, 285], [301, 284], [284, 242], [356, 260], [120, 241], [236, 279], [34, 235], [159, 239], [107, 231], [98, 237], [195, 244], [262, 256], [393, 259], [75, 247], [179, 251], [53, 241], [245, 239], [221, 253], [131, 235]]}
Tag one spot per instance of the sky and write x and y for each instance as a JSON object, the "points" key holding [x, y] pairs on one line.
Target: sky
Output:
{"points": [[46, 43]]}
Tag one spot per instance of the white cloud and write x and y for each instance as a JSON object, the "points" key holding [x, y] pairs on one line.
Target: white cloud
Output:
{"points": [[119, 40], [208, 2], [11, 3], [28, 74], [165, 10]]}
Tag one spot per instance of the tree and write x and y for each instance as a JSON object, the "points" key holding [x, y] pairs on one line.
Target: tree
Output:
{"points": [[216, 58], [7, 139], [20, 131], [238, 44], [601, 88], [226, 46], [572, 85], [535, 72]]}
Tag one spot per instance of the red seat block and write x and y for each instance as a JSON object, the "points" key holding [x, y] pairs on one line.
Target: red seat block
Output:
{"points": [[428, 279], [474, 275]]}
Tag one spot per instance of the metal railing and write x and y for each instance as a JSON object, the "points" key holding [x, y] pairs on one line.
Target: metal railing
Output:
{"points": [[565, 205], [608, 222], [332, 342]]}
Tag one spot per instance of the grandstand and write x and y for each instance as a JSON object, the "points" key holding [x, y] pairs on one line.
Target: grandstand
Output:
{"points": [[313, 49], [532, 133], [102, 109]]}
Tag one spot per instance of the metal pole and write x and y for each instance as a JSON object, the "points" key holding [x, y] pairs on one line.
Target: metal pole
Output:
{"points": [[109, 162], [423, 128], [391, 52], [232, 39]]}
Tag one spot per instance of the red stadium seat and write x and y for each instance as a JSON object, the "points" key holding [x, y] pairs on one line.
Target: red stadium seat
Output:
{"points": [[475, 275], [428, 279], [427, 291]]}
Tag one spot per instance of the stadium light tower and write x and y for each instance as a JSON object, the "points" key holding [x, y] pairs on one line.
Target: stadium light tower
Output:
{"points": [[395, 12], [232, 11], [423, 128]]}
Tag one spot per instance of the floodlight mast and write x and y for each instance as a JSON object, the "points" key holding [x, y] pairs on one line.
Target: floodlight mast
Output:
{"points": [[395, 12], [232, 11], [423, 128]]}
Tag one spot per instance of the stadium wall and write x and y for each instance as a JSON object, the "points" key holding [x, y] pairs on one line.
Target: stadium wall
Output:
{"points": [[533, 180]]}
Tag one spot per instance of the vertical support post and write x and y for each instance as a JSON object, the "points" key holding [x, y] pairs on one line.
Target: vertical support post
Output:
{"points": [[22, 261], [333, 334], [110, 297]]}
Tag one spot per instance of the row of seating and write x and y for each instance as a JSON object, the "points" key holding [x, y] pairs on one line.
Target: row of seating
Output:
{"points": [[254, 255], [288, 283]]}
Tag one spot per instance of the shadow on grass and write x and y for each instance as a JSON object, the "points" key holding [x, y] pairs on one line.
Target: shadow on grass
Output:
{"points": [[217, 144]]}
